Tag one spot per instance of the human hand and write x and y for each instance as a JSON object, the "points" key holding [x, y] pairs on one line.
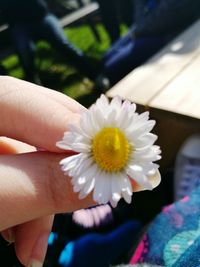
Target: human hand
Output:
{"points": [[32, 186]]}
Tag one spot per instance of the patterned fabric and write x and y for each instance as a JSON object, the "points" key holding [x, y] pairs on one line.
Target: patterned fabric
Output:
{"points": [[173, 238], [139, 265]]}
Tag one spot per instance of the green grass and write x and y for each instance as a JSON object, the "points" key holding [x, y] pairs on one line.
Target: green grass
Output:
{"points": [[54, 71]]}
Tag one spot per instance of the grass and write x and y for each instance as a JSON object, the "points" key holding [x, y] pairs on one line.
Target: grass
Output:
{"points": [[54, 71]]}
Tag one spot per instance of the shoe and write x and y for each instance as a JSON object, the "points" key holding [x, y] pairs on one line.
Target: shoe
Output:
{"points": [[187, 168]]}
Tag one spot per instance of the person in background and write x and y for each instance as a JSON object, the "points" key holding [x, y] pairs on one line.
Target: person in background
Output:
{"points": [[156, 23], [31, 20]]}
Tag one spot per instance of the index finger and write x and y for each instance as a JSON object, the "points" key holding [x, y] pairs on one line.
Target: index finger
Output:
{"points": [[34, 114]]}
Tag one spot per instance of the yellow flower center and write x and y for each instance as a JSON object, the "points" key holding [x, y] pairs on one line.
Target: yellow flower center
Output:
{"points": [[110, 149]]}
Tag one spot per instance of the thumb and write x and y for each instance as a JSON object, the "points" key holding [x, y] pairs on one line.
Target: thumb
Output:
{"points": [[31, 240]]}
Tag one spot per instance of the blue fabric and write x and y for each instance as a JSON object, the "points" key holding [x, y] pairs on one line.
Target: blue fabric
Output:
{"points": [[99, 250]]}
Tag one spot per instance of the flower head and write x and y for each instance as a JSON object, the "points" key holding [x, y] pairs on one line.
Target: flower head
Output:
{"points": [[115, 152]]}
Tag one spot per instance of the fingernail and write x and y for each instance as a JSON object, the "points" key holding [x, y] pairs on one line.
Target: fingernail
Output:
{"points": [[35, 263], [9, 235], [39, 251]]}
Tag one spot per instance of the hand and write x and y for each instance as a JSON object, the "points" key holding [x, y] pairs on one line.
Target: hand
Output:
{"points": [[32, 186]]}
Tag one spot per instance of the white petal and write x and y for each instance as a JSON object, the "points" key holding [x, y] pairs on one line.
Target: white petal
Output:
{"points": [[81, 166], [81, 180], [127, 105], [134, 133], [133, 107], [89, 186], [87, 124], [98, 190], [115, 188], [69, 162], [75, 129], [113, 203], [102, 101], [88, 174], [116, 103], [140, 178], [153, 179], [126, 187], [77, 187], [102, 188], [81, 147], [102, 104], [124, 119], [63, 145], [146, 140], [127, 197], [68, 139], [147, 154], [111, 119], [143, 116], [100, 118]]}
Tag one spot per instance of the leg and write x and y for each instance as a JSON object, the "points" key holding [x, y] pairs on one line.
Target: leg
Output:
{"points": [[130, 56], [25, 49], [51, 31], [117, 46]]}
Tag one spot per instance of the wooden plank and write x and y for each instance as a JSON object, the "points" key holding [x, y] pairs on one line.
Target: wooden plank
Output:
{"points": [[81, 13], [182, 95], [146, 81]]}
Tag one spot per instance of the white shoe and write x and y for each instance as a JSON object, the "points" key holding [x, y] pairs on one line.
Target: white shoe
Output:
{"points": [[187, 167]]}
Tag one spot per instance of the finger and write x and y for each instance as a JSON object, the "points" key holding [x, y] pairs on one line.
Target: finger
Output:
{"points": [[33, 117], [11, 146], [34, 187], [31, 240], [8, 235], [64, 100], [61, 98]]}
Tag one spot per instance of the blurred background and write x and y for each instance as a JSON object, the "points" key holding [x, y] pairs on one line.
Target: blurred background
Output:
{"points": [[84, 27]]}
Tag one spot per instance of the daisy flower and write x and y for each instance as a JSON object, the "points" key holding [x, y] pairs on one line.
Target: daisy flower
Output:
{"points": [[115, 152]]}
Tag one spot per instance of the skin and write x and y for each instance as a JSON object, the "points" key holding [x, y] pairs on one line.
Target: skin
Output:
{"points": [[32, 186]]}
